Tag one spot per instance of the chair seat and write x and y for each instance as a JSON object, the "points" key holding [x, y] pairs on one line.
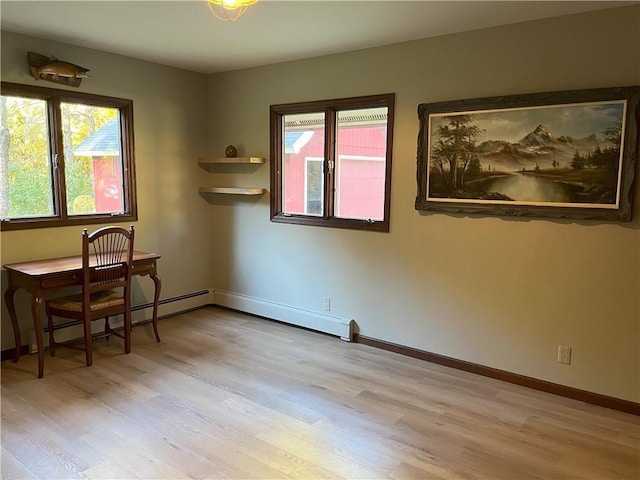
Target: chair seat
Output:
{"points": [[99, 300]]}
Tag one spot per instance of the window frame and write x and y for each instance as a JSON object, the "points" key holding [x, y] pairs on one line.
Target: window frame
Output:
{"points": [[54, 98], [330, 109]]}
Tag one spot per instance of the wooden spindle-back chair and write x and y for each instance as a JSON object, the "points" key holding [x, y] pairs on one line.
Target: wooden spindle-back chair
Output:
{"points": [[107, 257]]}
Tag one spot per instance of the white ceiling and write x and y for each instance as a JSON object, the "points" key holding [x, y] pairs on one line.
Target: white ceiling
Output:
{"points": [[185, 34]]}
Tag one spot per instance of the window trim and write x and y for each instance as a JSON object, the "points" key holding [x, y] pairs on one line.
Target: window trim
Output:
{"points": [[330, 108], [60, 218]]}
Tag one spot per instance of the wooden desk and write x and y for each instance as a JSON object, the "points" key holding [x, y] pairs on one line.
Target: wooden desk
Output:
{"points": [[41, 276]]}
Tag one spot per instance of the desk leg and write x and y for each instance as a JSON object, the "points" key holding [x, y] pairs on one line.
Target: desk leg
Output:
{"points": [[8, 299], [156, 300], [36, 308]]}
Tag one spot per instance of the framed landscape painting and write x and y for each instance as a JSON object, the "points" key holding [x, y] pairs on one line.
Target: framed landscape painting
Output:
{"points": [[569, 154]]}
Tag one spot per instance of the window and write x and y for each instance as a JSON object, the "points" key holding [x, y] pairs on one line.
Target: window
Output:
{"points": [[331, 162], [66, 158]]}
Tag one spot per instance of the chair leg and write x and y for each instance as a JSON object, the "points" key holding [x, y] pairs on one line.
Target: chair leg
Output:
{"points": [[107, 327], [88, 342], [127, 331], [155, 328], [52, 343]]}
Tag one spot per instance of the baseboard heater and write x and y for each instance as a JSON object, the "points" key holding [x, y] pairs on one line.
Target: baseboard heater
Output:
{"points": [[340, 327], [178, 298], [143, 306], [136, 308]]}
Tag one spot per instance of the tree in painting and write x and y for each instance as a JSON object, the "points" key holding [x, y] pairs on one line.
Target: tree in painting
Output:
{"points": [[455, 151]]}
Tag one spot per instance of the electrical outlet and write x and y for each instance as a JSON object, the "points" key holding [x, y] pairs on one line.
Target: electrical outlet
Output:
{"points": [[326, 304], [564, 354]]}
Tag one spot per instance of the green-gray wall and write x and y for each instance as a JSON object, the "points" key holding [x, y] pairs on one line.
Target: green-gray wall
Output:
{"points": [[498, 292]]}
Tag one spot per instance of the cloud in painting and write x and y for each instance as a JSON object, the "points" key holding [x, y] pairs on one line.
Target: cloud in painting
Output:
{"points": [[577, 121]]}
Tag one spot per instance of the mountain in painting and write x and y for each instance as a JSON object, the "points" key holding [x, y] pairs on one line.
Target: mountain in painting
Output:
{"points": [[540, 136], [539, 148]]}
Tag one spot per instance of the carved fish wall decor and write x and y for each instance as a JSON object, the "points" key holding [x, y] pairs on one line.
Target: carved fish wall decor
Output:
{"points": [[54, 70]]}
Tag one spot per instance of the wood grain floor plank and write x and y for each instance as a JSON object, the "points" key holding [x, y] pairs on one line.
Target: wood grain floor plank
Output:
{"points": [[109, 470], [227, 395], [131, 455], [13, 469]]}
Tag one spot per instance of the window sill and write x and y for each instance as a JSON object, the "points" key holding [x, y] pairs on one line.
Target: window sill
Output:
{"points": [[332, 222], [52, 222]]}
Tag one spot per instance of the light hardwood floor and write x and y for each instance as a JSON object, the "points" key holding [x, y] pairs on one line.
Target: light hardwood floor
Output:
{"points": [[227, 395]]}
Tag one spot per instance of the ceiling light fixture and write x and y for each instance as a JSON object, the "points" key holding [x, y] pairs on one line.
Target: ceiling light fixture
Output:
{"points": [[229, 10]]}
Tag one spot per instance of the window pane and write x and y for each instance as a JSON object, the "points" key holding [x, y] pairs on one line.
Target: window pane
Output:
{"points": [[356, 171], [361, 149], [302, 165], [93, 159], [26, 188]]}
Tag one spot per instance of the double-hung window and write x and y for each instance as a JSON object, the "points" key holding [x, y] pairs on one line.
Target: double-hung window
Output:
{"points": [[331, 162], [66, 158]]}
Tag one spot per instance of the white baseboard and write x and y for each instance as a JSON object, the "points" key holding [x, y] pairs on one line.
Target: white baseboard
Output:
{"points": [[332, 325], [340, 327]]}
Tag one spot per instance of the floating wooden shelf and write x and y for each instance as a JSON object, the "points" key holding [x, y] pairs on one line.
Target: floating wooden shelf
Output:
{"points": [[232, 190], [230, 165], [205, 162]]}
